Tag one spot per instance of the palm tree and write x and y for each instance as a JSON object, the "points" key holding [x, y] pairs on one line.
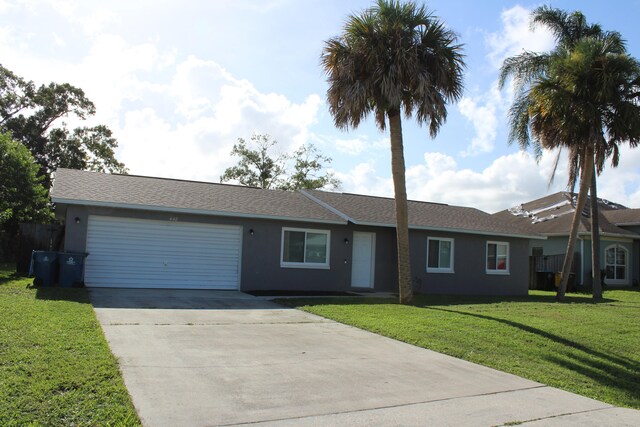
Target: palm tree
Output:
{"points": [[393, 59], [568, 29], [583, 96]]}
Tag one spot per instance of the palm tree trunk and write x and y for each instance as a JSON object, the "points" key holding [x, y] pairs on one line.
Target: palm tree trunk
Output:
{"points": [[402, 213], [595, 241], [585, 181]]}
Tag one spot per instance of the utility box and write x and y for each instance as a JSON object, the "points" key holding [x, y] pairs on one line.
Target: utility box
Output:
{"points": [[71, 269]]}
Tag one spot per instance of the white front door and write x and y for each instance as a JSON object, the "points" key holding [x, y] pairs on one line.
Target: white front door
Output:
{"points": [[362, 265]]}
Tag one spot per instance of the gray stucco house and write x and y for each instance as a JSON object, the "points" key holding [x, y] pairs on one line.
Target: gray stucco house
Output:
{"points": [[145, 232], [551, 216]]}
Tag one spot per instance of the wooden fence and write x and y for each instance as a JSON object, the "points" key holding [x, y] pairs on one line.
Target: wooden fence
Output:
{"points": [[38, 237]]}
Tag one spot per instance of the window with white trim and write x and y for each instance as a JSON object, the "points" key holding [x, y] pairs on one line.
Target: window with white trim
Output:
{"points": [[615, 264], [439, 255], [305, 248], [497, 258]]}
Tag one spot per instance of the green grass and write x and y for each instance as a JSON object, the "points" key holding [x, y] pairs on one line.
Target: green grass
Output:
{"points": [[55, 365], [582, 347]]}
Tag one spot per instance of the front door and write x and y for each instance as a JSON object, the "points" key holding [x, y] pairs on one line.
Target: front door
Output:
{"points": [[362, 266]]}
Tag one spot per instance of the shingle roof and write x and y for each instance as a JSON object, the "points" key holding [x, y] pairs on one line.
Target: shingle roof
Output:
{"points": [[369, 210], [92, 188], [623, 217], [553, 215], [172, 195]]}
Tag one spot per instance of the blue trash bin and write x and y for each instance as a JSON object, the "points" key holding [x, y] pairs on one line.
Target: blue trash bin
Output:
{"points": [[71, 269], [44, 267]]}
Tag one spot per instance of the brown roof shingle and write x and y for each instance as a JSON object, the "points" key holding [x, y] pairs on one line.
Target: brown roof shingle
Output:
{"points": [[623, 217], [371, 210], [81, 187], [553, 215]]}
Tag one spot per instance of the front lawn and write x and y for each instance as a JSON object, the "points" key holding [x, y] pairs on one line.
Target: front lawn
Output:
{"points": [[55, 365], [589, 349]]}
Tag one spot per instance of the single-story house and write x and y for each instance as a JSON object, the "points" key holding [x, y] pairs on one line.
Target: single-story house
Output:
{"points": [[551, 216], [144, 232]]}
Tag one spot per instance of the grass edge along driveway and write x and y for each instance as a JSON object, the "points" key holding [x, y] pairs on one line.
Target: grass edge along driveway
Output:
{"points": [[55, 365], [578, 346]]}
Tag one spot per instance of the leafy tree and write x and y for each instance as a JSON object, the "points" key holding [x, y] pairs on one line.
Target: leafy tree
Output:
{"points": [[259, 168], [256, 167], [582, 96], [32, 115], [393, 59], [23, 198], [307, 171]]}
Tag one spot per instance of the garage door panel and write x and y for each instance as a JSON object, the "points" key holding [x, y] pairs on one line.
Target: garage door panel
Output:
{"points": [[128, 252]]}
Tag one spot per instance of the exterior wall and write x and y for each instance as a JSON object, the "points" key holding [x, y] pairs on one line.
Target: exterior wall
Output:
{"points": [[605, 242], [635, 256], [260, 265], [261, 252], [469, 262], [558, 246], [628, 245], [386, 255], [552, 246]]}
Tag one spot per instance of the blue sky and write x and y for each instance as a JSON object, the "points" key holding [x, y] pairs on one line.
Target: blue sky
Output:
{"points": [[179, 82]]}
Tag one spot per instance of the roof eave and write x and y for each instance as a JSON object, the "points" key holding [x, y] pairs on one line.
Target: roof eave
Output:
{"points": [[191, 211], [588, 234], [457, 230]]}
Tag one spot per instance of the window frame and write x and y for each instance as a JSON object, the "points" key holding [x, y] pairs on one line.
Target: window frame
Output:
{"points": [[304, 264], [449, 269], [508, 258], [617, 247]]}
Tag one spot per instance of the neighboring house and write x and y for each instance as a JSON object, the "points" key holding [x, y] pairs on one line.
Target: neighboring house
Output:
{"points": [[144, 232], [552, 216]]}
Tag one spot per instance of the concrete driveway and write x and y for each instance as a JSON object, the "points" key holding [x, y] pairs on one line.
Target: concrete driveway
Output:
{"points": [[205, 358]]}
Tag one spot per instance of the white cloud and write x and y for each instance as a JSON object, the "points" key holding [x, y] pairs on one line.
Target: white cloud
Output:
{"points": [[92, 22], [516, 36], [509, 180], [482, 114], [484, 110], [363, 179], [171, 117], [622, 184], [352, 146], [208, 109]]}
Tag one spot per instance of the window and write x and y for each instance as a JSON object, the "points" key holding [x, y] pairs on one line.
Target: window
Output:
{"points": [[439, 255], [305, 248], [497, 258], [615, 262]]}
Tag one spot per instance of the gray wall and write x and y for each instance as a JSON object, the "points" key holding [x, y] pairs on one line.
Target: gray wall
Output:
{"points": [[635, 256], [260, 268], [554, 245], [605, 242], [470, 276], [261, 256]]}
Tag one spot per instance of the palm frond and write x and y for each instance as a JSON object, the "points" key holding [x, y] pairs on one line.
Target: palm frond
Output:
{"points": [[393, 57]]}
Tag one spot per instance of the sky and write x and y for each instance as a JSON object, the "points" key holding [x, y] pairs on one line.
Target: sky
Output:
{"points": [[178, 82]]}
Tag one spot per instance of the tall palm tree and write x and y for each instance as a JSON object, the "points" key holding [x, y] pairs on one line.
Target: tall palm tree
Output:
{"points": [[393, 59], [568, 30], [583, 96]]}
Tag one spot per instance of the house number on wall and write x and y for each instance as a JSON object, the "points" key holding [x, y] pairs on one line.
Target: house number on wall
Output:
{"points": [[173, 218]]}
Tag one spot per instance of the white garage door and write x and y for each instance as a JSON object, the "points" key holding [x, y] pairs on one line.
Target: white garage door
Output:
{"points": [[136, 253]]}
